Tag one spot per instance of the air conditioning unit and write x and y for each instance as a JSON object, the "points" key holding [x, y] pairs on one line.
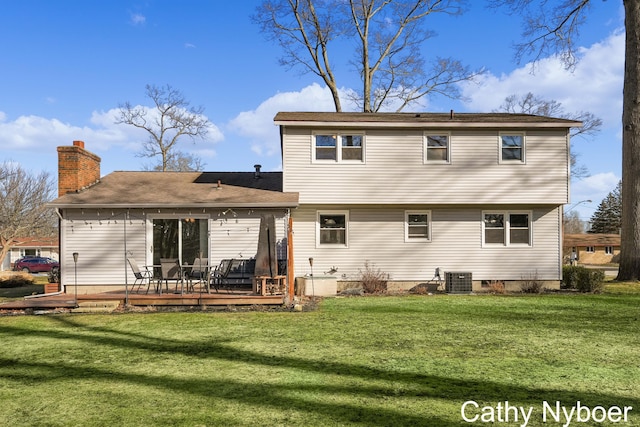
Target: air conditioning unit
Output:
{"points": [[458, 283]]}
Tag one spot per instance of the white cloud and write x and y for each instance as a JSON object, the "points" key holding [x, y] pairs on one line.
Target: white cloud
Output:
{"points": [[595, 85], [35, 136], [258, 126], [594, 188], [137, 19]]}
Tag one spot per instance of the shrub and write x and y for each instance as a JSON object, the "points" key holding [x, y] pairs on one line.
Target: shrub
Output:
{"points": [[54, 275], [496, 287], [374, 281], [591, 281], [531, 284], [582, 279], [570, 276], [15, 280]]}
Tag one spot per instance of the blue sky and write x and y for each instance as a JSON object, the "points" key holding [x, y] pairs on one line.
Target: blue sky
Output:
{"points": [[66, 65]]}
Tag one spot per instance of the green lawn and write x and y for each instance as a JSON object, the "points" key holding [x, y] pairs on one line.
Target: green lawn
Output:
{"points": [[366, 361]]}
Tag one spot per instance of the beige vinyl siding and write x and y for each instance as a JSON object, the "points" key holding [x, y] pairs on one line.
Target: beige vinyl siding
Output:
{"points": [[99, 241], [231, 239], [394, 171], [376, 234]]}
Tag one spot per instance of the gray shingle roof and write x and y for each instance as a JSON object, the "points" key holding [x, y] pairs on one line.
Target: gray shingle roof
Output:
{"points": [[182, 189], [424, 119]]}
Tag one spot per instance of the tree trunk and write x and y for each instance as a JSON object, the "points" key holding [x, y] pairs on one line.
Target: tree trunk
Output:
{"points": [[630, 241]]}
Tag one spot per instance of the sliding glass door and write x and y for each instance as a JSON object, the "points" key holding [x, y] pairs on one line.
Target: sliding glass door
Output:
{"points": [[185, 239]]}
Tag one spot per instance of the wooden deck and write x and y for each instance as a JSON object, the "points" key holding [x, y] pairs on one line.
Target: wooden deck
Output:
{"points": [[141, 299]]}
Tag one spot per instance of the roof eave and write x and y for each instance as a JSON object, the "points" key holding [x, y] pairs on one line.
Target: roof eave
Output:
{"points": [[439, 124], [172, 206]]}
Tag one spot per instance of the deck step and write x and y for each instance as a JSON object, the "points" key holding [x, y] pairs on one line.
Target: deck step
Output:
{"points": [[96, 306]]}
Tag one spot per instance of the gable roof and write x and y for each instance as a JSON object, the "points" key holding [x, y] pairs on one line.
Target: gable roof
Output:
{"points": [[182, 189], [35, 242], [591, 239], [421, 120]]}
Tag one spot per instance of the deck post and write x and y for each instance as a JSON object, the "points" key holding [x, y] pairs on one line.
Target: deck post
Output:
{"points": [[290, 275]]}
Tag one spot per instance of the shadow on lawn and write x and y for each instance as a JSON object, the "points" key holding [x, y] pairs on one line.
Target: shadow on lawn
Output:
{"points": [[281, 396]]}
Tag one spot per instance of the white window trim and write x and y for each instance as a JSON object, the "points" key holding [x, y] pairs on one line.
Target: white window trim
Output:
{"points": [[346, 229], [507, 227], [406, 226], [338, 134], [425, 148], [524, 148]]}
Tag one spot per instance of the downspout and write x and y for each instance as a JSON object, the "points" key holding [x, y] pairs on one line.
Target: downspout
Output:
{"points": [[60, 257]]}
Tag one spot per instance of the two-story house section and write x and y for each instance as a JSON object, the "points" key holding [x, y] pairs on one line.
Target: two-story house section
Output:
{"points": [[412, 192]]}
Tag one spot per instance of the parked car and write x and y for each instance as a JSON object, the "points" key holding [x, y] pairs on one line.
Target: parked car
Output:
{"points": [[35, 264]]}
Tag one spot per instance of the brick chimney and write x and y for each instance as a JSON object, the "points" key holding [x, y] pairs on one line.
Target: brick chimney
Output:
{"points": [[77, 168]]}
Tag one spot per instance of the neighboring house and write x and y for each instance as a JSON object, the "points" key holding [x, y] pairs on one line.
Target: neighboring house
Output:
{"points": [[153, 215], [409, 193], [592, 248], [31, 246]]}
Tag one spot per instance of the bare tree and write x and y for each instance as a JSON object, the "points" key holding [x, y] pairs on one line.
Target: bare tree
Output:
{"points": [[531, 104], [179, 161], [552, 28], [23, 210], [572, 223], [388, 34], [171, 119]]}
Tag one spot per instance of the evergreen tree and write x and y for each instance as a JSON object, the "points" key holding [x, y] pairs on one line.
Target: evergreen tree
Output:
{"points": [[608, 218]]}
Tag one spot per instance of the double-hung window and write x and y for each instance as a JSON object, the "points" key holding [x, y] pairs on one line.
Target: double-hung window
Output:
{"points": [[338, 147], [437, 147], [417, 226], [506, 228], [332, 227], [512, 147]]}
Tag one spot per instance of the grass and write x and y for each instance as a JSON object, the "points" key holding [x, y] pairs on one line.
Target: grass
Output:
{"points": [[365, 361]]}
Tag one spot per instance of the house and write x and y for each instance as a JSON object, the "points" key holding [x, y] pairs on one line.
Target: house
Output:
{"points": [[478, 196], [592, 248], [154, 215], [409, 193], [31, 246]]}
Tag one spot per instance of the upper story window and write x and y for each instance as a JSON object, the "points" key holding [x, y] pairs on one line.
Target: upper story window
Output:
{"points": [[506, 228], [512, 147], [437, 147], [338, 147], [417, 226], [332, 228]]}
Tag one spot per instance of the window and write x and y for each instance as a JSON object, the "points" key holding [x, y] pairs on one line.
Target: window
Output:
{"points": [[339, 147], [184, 238], [506, 228], [417, 226], [511, 147], [437, 148], [590, 249], [332, 228], [326, 147], [608, 250]]}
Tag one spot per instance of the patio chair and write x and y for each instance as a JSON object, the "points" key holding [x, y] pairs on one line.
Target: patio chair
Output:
{"points": [[170, 271], [142, 276], [220, 275], [199, 273]]}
